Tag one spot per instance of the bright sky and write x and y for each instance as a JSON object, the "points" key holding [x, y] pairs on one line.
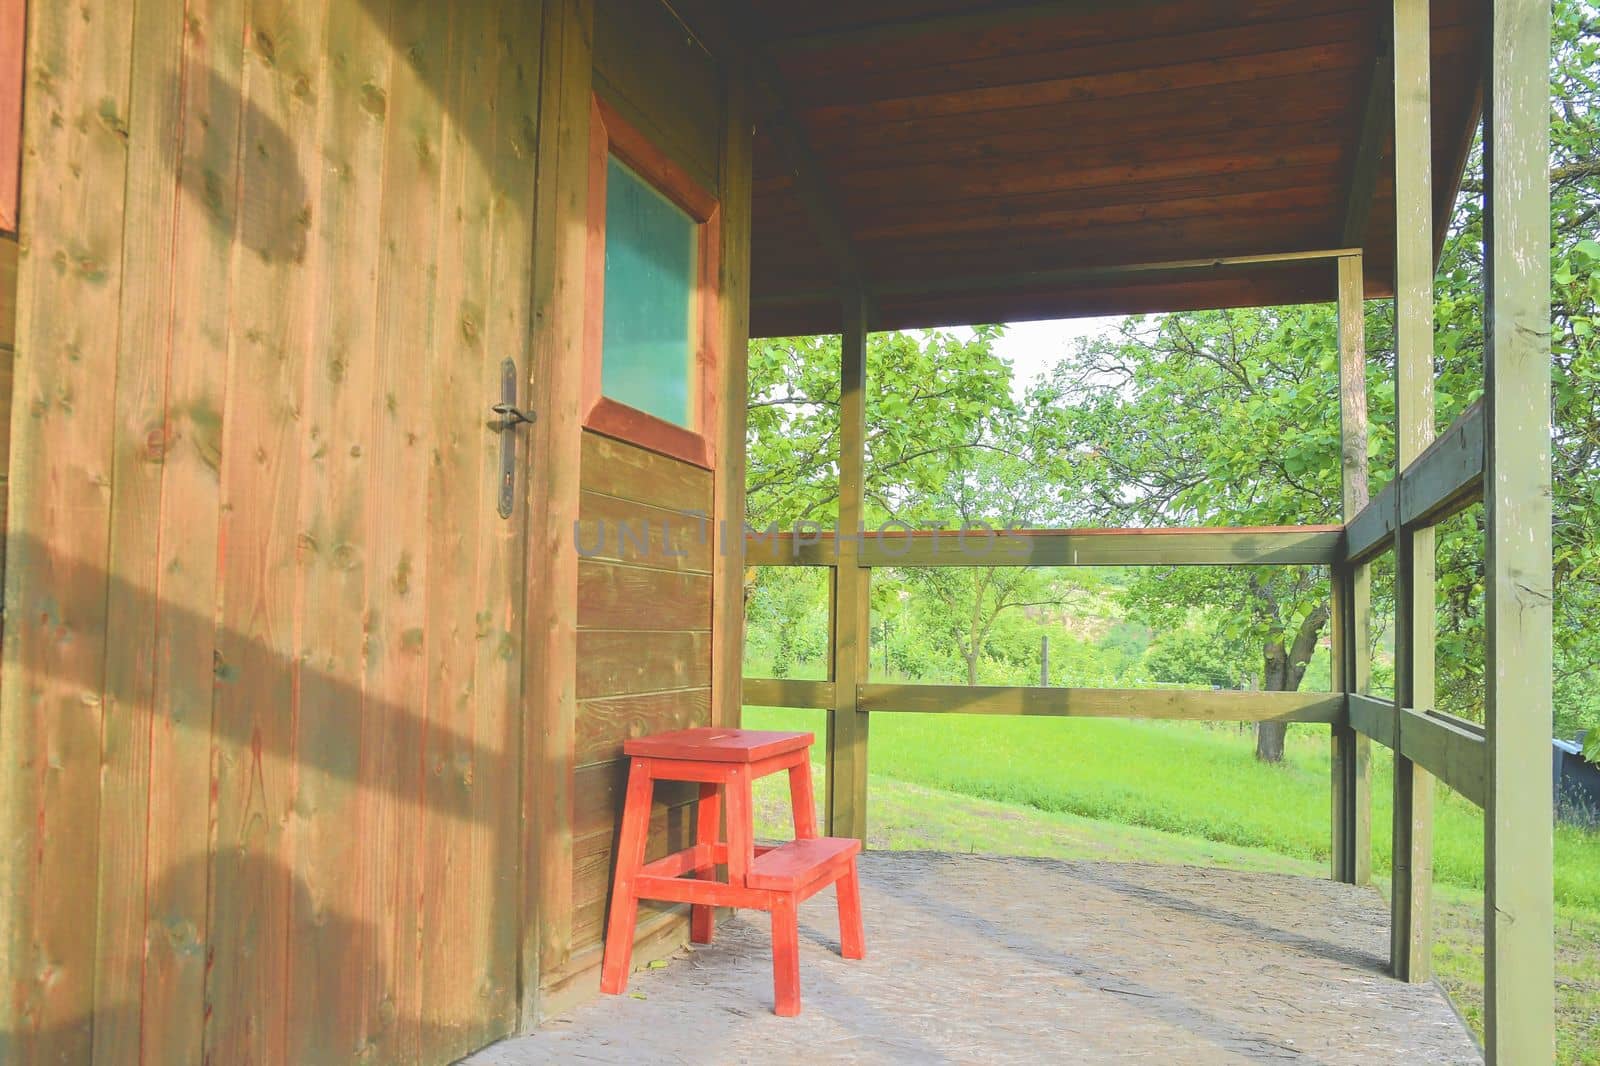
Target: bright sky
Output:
{"points": [[1034, 347]]}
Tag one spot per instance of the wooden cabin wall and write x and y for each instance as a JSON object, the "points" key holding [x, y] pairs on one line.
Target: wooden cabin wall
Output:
{"points": [[259, 708], [8, 335], [644, 647], [656, 625]]}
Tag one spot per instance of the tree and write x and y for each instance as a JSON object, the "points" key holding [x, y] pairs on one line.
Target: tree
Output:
{"points": [[1223, 418]]}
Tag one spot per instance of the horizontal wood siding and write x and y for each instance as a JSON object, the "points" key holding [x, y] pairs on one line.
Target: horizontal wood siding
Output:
{"points": [[644, 650], [261, 724]]}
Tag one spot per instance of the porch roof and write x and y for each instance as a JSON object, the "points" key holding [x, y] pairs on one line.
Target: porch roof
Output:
{"points": [[997, 162]]}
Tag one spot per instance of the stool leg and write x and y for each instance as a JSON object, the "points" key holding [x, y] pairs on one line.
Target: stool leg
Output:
{"points": [[801, 799], [741, 828], [852, 937], [702, 918], [618, 958], [785, 955]]}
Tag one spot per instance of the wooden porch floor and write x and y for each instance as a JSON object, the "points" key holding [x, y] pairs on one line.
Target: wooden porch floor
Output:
{"points": [[979, 959]]}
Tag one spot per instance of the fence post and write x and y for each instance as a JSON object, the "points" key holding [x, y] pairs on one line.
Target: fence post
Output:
{"points": [[1519, 968], [1412, 886], [846, 750], [1352, 596]]}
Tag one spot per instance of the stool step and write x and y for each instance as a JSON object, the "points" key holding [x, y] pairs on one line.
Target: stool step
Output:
{"points": [[800, 863]]}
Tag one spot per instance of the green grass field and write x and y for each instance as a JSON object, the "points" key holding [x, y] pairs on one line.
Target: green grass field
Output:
{"points": [[1194, 794]]}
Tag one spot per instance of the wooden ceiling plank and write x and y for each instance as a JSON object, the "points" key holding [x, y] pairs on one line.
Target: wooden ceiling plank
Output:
{"points": [[1050, 27], [1176, 77], [1141, 53]]}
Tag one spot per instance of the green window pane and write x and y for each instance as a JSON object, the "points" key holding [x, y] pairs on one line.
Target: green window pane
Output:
{"points": [[652, 248]]}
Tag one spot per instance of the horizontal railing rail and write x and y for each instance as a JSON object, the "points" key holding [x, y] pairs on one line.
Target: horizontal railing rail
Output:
{"points": [[1443, 481], [1452, 749], [1202, 546]]}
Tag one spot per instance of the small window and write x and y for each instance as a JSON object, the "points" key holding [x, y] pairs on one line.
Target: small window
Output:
{"points": [[652, 299], [652, 250]]}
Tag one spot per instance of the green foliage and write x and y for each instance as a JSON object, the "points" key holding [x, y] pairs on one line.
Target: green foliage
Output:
{"points": [[1193, 657], [1200, 418]]}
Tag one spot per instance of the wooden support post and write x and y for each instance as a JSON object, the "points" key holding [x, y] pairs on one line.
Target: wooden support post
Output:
{"points": [[1352, 586], [551, 614], [1518, 964], [727, 623], [1412, 885], [847, 723]]}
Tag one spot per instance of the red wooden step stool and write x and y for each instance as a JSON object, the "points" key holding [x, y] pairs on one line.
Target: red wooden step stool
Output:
{"points": [[772, 879]]}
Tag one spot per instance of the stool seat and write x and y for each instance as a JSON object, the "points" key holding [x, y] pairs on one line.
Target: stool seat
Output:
{"points": [[717, 745], [796, 865]]}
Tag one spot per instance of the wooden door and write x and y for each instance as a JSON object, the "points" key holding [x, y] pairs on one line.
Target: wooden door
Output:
{"points": [[262, 692]]}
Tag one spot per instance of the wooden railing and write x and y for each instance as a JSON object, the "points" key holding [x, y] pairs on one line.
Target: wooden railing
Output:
{"points": [[1445, 476]]}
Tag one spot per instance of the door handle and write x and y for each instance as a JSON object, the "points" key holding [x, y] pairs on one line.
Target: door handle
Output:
{"points": [[511, 416]]}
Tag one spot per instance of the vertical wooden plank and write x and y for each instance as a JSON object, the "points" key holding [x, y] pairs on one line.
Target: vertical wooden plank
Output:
{"points": [[846, 805], [550, 616], [397, 517], [502, 543], [1352, 752], [180, 806], [1519, 969], [57, 542], [253, 882], [334, 987], [13, 29], [456, 907], [1412, 885], [727, 622], [134, 591]]}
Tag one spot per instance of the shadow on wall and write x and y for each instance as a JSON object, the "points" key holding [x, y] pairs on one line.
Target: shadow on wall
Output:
{"points": [[217, 934], [456, 55], [381, 1032]]}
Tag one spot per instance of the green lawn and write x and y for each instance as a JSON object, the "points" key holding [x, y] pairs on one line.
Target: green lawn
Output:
{"points": [[1194, 794]]}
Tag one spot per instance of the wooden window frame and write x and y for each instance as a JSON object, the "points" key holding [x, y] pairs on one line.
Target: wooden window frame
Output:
{"points": [[13, 31], [611, 134]]}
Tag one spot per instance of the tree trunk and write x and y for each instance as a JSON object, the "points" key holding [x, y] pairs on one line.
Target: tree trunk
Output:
{"points": [[1285, 669], [972, 666], [1270, 735]]}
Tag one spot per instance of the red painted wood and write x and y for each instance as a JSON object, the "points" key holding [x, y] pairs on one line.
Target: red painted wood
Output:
{"points": [[13, 22], [773, 879], [802, 800], [618, 957], [702, 918], [705, 744], [797, 864], [786, 955], [852, 936], [611, 134], [741, 830]]}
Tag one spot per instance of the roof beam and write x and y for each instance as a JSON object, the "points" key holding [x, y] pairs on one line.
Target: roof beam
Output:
{"points": [[1066, 275], [1377, 124]]}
